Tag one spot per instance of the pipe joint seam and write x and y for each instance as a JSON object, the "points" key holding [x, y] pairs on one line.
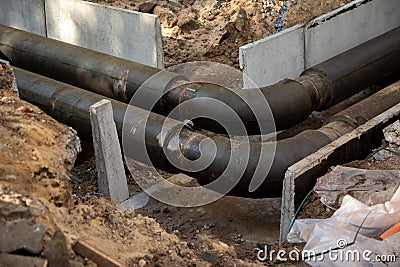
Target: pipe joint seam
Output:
{"points": [[352, 122], [319, 86]]}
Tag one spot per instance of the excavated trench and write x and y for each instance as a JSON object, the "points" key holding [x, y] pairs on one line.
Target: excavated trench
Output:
{"points": [[65, 68], [243, 224]]}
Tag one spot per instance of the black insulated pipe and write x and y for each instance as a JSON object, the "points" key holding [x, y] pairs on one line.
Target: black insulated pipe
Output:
{"points": [[290, 101], [71, 105]]}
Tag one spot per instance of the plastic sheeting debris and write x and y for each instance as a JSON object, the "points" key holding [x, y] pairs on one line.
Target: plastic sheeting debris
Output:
{"points": [[392, 133], [351, 236], [368, 186]]}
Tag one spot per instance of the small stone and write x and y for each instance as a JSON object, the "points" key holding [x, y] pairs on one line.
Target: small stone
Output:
{"points": [[57, 250], [382, 155], [238, 238], [241, 20], [167, 17], [21, 235], [18, 212], [210, 257], [92, 214], [166, 210], [111, 219], [189, 25], [175, 3], [142, 263], [147, 7]]}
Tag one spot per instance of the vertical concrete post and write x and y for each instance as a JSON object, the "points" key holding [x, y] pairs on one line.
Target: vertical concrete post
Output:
{"points": [[109, 164]]}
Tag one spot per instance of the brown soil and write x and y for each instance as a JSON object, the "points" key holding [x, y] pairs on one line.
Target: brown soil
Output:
{"points": [[37, 152], [195, 30], [392, 163], [215, 234]]}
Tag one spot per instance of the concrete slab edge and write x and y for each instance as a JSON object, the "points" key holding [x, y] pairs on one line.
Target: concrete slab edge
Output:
{"points": [[47, 18], [260, 74]]}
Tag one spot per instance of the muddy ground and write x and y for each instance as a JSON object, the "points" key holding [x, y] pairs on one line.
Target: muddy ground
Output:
{"points": [[213, 30]]}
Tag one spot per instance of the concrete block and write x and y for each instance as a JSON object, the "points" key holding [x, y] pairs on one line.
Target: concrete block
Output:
{"points": [[122, 33], [24, 15], [109, 164], [301, 176], [273, 58], [348, 27]]}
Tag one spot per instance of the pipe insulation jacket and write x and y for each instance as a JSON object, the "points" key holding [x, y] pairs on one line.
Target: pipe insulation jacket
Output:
{"points": [[290, 101], [70, 105]]}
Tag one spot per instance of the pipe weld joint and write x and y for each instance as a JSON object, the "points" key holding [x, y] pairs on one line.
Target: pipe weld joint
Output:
{"points": [[353, 123]]}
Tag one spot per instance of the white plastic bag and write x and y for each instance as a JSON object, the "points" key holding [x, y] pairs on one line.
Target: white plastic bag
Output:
{"points": [[330, 241]]}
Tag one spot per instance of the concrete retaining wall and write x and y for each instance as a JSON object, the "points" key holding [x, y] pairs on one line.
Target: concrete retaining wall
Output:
{"points": [[25, 15], [123, 33], [265, 62], [127, 34], [347, 27]]}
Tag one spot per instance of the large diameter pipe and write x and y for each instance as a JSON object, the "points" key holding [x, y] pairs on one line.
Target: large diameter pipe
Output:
{"points": [[85, 68], [290, 101], [71, 106], [317, 88]]}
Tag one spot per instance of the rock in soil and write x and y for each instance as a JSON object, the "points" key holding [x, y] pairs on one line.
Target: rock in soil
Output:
{"points": [[57, 250], [21, 235]]}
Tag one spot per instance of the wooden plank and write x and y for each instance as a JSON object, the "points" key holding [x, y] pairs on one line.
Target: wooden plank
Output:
{"points": [[102, 260], [11, 260]]}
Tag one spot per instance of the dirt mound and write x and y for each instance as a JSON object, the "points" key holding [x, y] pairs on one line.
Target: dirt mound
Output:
{"points": [[37, 152]]}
